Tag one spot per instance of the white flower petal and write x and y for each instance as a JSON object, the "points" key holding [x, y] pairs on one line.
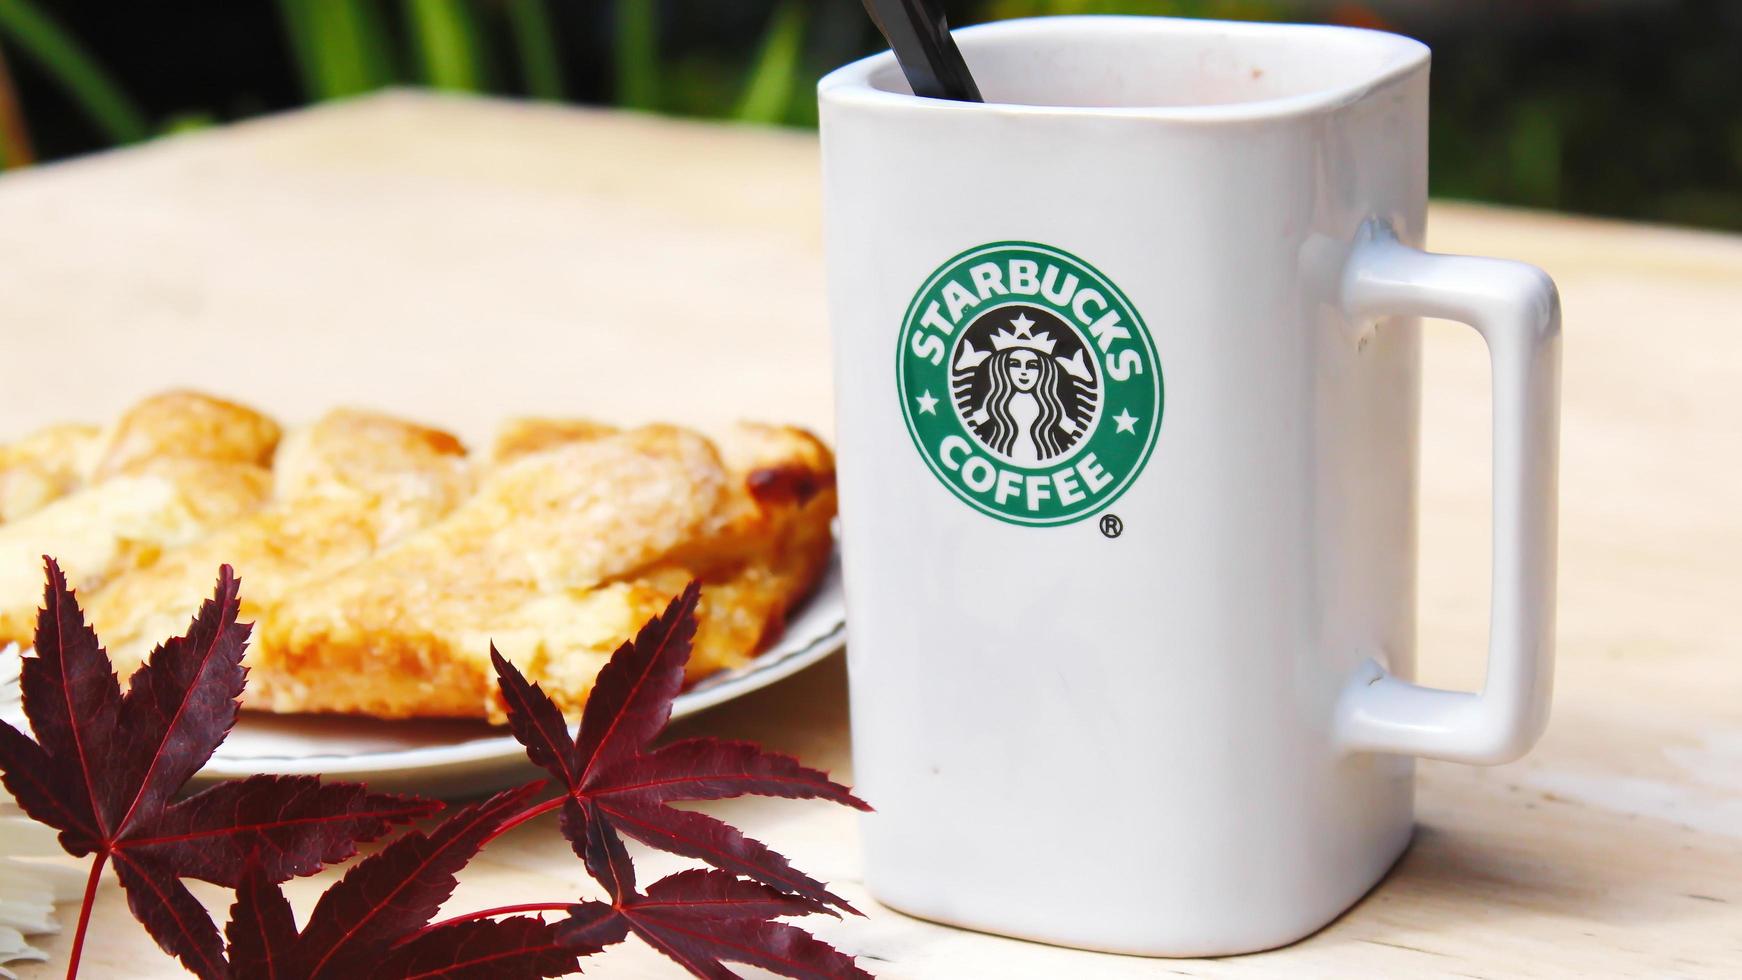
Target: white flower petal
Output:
{"points": [[13, 948]]}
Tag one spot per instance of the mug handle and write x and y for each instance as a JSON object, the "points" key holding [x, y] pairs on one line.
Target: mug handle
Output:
{"points": [[1516, 309]]}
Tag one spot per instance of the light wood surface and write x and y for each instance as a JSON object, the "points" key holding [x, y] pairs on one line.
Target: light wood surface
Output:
{"points": [[460, 261]]}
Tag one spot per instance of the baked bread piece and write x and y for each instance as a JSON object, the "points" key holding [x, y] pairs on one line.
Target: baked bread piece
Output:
{"points": [[344, 488], [173, 468], [761, 555], [48, 465], [525, 436], [43, 467], [186, 424], [770, 555], [123, 523], [407, 633], [562, 554]]}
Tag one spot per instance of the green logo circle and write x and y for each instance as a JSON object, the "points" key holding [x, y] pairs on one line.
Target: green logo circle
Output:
{"points": [[1029, 383]]}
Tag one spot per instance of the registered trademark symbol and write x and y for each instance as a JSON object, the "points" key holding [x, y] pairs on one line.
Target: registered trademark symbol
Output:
{"points": [[1111, 525]]}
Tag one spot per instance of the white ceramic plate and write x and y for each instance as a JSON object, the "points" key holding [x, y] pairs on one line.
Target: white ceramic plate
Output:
{"points": [[458, 758]]}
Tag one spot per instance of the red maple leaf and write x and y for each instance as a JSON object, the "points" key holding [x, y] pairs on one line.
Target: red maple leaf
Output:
{"points": [[371, 923], [486, 949], [611, 772], [105, 769], [701, 919]]}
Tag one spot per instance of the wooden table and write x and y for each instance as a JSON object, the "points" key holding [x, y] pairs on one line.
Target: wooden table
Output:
{"points": [[459, 260]]}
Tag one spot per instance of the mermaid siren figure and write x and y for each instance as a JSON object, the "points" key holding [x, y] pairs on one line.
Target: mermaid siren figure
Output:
{"points": [[1022, 399]]}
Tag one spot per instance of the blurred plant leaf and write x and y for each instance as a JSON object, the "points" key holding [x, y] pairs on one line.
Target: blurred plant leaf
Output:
{"points": [[774, 76], [187, 122], [1219, 9], [446, 38], [340, 46], [15, 148], [535, 45], [42, 39], [637, 52], [1534, 148]]}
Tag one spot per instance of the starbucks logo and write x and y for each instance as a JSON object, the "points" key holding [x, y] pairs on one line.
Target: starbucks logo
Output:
{"points": [[1029, 383], [1024, 383]]}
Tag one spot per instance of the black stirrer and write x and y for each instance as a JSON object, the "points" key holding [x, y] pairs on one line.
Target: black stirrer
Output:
{"points": [[920, 37]]}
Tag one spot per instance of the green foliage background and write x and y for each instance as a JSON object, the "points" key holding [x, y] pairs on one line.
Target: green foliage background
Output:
{"points": [[1631, 108]]}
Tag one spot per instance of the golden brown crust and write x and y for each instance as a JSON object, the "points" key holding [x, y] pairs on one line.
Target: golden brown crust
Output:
{"points": [[59, 460], [756, 560], [525, 436], [43, 467], [346, 487], [377, 638], [381, 564], [560, 557], [771, 556], [184, 424], [123, 523], [172, 469], [354, 451]]}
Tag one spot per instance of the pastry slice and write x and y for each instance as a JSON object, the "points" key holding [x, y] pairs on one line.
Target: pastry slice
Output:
{"points": [[761, 555], [407, 633], [43, 467], [186, 425], [168, 472], [125, 522], [344, 488], [525, 436], [559, 557], [50, 464]]}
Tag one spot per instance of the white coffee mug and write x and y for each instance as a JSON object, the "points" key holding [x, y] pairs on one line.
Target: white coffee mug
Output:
{"points": [[1128, 384]]}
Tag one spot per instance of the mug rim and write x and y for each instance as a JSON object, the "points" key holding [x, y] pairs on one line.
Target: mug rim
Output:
{"points": [[852, 85]]}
